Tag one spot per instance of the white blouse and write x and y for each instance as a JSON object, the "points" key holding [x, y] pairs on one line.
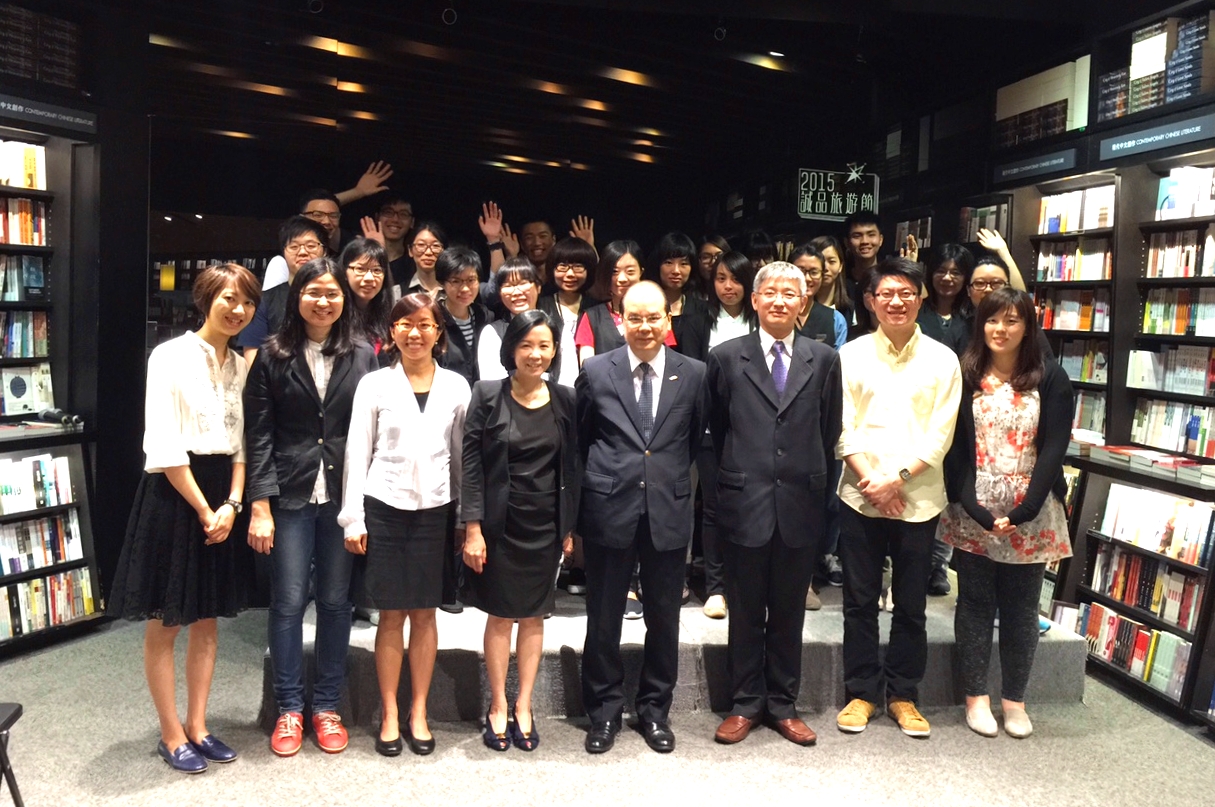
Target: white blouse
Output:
{"points": [[726, 327], [321, 367], [193, 404], [489, 355], [404, 457]]}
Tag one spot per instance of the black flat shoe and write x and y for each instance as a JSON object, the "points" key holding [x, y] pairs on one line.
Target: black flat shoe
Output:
{"points": [[658, 736], [492, 739], [389, 748], [419, 747], [602, 736], [524, 742]]}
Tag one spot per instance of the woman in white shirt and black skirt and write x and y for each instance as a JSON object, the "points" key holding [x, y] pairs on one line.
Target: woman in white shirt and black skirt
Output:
{"points": [[178, 566], [402, 476]]}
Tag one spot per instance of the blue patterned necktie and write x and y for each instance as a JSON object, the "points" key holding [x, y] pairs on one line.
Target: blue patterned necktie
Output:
{"points": [[780, 371], [645, 402]]}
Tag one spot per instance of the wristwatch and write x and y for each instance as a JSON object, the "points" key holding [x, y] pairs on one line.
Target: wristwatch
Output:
{"points": [[904, 474], [236, 506], [496, 245]]}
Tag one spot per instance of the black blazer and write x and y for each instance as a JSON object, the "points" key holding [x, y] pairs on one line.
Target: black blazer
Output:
{"points": [[774, 455], [626, 478], [1051, 441], [289, 430], [485, 491]]}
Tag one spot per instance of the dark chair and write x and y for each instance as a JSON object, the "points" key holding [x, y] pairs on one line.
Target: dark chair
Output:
{"points": [[10, 713]]}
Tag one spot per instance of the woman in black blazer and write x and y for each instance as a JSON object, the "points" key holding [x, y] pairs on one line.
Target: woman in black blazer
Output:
{"points": [[519, 503], [297, 411]]}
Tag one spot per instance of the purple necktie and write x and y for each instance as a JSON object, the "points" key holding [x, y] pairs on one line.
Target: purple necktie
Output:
{"points": [[780, 372]]}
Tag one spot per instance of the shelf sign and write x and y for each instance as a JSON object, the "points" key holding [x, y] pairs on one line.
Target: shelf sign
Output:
{"points": [[1036, 166], [1159, 137], [61, 117], [835, 195]]}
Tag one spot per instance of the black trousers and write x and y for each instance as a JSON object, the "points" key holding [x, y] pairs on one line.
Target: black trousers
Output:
{"points": [[608, 572], [864, 544], [766, 589]]}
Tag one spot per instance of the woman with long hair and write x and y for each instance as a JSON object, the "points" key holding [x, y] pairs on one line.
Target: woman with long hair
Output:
{"points": [[570, 262], [672, 266], [600, 328], [365, 264], [1007, 520], [296, 417], [711, 246], [179, 565], [945, 318], [519, 503], [403, 470], [833, 291]]}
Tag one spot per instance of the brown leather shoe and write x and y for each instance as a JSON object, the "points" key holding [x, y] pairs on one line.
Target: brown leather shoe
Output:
{"points": [[795, 731], [734, 729]]}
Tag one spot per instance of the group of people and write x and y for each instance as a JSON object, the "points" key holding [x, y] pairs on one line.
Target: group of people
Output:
{"points": [[401, 444]]}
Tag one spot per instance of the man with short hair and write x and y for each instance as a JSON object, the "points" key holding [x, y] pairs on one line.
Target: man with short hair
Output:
{"points": [[863, 240], [300, 240], [775, 418], [900, 404], [392, 224], [641, 413]]}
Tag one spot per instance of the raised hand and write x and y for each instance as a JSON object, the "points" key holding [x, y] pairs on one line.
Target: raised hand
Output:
{"points": [[374, 179], [490, 222], [912, 250], [510, 242], [372, 231], [990, 239], [584, 228]]}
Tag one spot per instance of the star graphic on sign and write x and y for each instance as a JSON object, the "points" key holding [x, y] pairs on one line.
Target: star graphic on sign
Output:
{"points": [[855, 171]]}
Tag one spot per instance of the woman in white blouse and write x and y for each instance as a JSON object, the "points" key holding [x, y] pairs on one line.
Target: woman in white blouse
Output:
{"points": [[177, 566], [402, 476]]}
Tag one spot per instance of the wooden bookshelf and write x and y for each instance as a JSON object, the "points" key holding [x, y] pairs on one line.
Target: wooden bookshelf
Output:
{"points": [[1073, 235], [1171, 225]]}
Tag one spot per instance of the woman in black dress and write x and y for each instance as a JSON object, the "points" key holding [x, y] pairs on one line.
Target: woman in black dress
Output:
{"points": [[178, 566], [518, 501]]}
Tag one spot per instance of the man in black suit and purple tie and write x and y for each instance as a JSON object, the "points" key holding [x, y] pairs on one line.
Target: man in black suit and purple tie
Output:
{"points": [[642, 409], [775, 419]]}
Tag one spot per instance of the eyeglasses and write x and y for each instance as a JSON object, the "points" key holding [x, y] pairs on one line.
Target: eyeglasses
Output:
{"points": [[771, 295], [364, 270], [307, 246], [462, 282], [520, 288], [574, 268], [984, 285], [887, 295], [317, 296], [389, 213], [653, 320], [947, 273], [321, 215], [813, 274], [434, 248], [422, 327]]}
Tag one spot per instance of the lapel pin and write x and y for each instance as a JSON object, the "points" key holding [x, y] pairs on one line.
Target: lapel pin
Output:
{"points": [[673, 378]]}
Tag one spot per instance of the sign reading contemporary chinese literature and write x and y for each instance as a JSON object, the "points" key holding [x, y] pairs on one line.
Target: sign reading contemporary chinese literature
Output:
{"points": [[835, 195], [1190, 130], [23, 109], [1036, 166]]}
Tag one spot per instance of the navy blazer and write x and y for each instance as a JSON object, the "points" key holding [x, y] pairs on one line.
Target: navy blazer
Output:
{"points": [[625, 477], [289, 430], [774, 454], [484, 494]]}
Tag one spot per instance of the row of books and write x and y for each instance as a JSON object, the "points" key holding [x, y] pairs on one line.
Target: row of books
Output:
{"points": [[1181, 253], [1085, 360], [28, 483], [1186, 192], [1148, 584], [1082, 259], [40, 542], [1150, 49], [1032, 124], [22, 278], [1190, 68], [1113, 92], [1158, 658], [39, 47], [26, 389], [921, 228], [1174, 526], [990, 217], [45, 602], [171, 275], [1180, 312], [22, 165], [1185, 369], [1073, 309], [1174, 426], [1090, 411], [1077, 210], [24, 334], [24, 222]]}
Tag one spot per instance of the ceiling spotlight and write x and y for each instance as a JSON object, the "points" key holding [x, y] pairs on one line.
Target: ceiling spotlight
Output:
{"points": [[449, 15], [168, 218], [198, 215], [314, 6], [719, 33], [776, 53]]}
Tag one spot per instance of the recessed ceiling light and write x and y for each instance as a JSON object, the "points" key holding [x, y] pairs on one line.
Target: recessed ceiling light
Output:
{"points": [[649, 132], [580, 166], [776, 53], [320, 43], [198, 215], [354, 51], [513, 170], [360, 115], [766, 62], [429, 51], [627, 76], [168, 42], [649, 143], [168, 218], [495, 164], [313, 119], [230, 133], [597, 106], [590, 121], [350, 86], [639, 157], [550, 87]]}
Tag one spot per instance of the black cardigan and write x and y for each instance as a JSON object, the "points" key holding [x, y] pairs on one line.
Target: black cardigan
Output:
{"points": [[1054, 433], [485, 490], [289, 430], [461, 357]]}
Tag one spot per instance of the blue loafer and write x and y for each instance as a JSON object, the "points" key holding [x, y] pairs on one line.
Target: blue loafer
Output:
{"points": [[213, 749], [185, 759]]}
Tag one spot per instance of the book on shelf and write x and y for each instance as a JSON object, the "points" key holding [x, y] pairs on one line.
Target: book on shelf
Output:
{"points": [[1149, 584], [23, 222], [1179, 312], [45, 602], [1181, 253], [1086, 360], [1082, 259], [1073, 309], [1077, 210], [30, 483], [1174, 426], [40, 542], [1089, 413], [22, 165], [921, 228], [1185, 193], [989, 217], [22, 278], [1189, 68], [1159, 658], [1150, 49], [1046, 600], [1113, 89], [24, 334], [1185, 369], [1174, 526]]}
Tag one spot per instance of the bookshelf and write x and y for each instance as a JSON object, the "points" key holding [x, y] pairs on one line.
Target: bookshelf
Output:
{"points": [[171, 309]]}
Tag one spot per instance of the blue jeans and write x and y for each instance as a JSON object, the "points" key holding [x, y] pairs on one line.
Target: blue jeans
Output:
{"points": [[303, 539]]}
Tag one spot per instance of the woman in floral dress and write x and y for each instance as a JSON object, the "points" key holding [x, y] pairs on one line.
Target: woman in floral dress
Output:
{"points": [[1007, 515]]}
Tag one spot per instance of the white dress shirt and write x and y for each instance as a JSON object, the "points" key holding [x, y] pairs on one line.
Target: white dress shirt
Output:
{"points": [[322, 368], [489, 355], [658, 365], [193, 404], [766, 340], [726, 327], [398, 454]]}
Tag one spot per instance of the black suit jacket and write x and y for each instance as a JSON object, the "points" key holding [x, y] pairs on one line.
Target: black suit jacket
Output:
{"points": [[485, 491], [625, 477], [774, 454], [289, 430]]}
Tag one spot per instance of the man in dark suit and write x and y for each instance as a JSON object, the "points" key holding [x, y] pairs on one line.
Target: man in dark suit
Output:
{"points": [[641, 411], [775, 419]]}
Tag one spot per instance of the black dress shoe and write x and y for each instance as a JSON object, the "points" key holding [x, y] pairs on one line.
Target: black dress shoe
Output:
{"points": [[602, 736], [419, 747], [389, 748], [658, 736]]}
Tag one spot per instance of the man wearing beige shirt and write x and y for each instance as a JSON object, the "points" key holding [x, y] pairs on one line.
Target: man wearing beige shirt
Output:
{"points": [[901, 396]]}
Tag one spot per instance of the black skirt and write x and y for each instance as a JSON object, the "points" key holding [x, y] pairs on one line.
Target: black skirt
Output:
{"points": [[166, 570], [405, 551]]}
